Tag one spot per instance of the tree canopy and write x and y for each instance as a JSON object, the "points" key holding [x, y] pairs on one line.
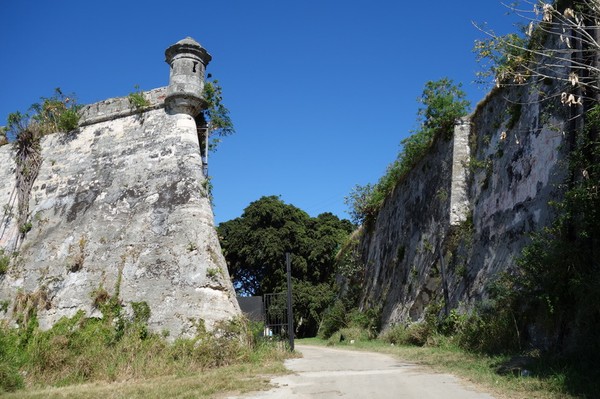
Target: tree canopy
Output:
{"points": [[255, 245]]}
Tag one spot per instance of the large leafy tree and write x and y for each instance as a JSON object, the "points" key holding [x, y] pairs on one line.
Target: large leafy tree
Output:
{"points": [[255, 245]]}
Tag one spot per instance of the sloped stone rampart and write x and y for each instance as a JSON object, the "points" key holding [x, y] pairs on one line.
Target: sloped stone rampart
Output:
{"points": [[120, 205]]}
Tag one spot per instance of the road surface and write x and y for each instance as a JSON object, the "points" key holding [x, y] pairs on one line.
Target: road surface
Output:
{"points": [[327, 373]]}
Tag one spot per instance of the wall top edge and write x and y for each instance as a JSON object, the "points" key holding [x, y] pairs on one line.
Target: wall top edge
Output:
{"points": [[119, 107]]}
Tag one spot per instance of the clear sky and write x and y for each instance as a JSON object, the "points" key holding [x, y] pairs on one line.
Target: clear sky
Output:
{"points": [[321, 92]]}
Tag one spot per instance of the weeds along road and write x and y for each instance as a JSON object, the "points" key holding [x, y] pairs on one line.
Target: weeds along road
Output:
{"points": [[336, 373]]}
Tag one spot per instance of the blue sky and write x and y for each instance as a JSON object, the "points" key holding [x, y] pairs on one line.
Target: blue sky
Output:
{"points": [[321, 92]]}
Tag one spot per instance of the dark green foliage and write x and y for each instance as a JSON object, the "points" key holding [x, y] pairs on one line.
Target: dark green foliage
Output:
{"points": [[333, 320], [443, 103], [255, 245], [25, 228], [310, 302]]}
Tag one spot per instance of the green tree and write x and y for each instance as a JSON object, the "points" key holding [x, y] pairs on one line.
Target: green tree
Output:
{"points": [[255, 245]]}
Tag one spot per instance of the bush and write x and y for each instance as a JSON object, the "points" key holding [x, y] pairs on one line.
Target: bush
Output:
{"points": [[487, 333], [354, 334], [333, 320], [137, 100], [10, 360], [417, 334], [338, 318], [492, 327], [368, 320]]}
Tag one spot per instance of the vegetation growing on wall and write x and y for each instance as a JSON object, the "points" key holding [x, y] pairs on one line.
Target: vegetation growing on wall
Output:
{"points": [[137, 99], [52, 114], [443, 103], [350, 269], [558, 273]]}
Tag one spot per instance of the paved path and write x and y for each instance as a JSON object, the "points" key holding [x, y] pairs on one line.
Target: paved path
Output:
{"points": [[328, 373]]}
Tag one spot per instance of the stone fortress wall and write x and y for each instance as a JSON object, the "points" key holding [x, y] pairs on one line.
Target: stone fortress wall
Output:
{"points": [[121, 205], [466, 210]]}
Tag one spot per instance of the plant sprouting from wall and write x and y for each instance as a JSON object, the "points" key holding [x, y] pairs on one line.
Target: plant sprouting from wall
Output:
{"points": [[4, 262], [137, 99], [58, 113], [3, 139], [52, 114]]}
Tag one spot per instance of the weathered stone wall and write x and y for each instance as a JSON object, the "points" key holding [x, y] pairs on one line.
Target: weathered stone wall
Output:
{"points": [[472, 202], [399, 249], [120, 204]]}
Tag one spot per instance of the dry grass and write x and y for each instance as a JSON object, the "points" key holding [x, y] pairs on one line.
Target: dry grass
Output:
{"points": [[208, 384], [117, 358]]}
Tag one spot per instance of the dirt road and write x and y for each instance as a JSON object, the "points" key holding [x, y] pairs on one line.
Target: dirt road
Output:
{"points": [[333, 373]]}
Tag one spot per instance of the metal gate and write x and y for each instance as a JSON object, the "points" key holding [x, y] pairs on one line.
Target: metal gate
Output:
{"points": [[277, 311], [276, 320]]}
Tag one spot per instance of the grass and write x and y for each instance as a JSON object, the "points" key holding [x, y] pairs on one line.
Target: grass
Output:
{"points": [[119, 358], [479, 370], [234, 379]]}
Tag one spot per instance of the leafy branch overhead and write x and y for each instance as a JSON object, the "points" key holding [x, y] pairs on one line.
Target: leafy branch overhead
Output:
{"points": [[215, 116], [558, 42]]}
